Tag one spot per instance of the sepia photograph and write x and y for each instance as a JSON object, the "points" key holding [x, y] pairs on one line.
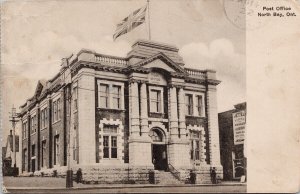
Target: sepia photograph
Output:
{"points": [[106, 96]]}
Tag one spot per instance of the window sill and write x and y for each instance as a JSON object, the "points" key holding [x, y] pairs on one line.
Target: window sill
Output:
{"points": [[194, 116], [111, 109], [32, 134], [110, 159], [157, 113]]}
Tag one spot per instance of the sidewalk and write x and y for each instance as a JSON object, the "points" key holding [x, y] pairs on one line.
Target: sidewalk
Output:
{"points": [[113, 186]]}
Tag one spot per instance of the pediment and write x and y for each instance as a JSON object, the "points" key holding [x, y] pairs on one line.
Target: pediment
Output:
{"points": [[39, 88], [160, 61]]}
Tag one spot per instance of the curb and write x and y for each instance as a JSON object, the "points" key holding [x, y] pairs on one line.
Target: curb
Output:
{"points": [[123, 186]]}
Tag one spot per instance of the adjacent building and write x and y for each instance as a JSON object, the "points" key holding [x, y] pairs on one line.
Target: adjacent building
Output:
{"points": [[10, 160], [232, 126], [119, 118]]}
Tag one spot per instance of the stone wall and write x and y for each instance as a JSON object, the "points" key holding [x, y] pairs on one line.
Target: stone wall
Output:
{"points": [[115, 174]]}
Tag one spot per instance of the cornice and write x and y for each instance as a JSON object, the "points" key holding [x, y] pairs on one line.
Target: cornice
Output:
{"points": [[213, 82]]}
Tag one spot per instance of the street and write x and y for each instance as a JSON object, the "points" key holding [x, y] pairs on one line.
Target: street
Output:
{"points": [[57, 185], [188, 189]]}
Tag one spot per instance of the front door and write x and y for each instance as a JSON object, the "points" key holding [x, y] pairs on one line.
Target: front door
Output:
{"points": [[159, 157]]}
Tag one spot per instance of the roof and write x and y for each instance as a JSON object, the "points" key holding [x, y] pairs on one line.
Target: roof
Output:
{"points": [[143, 52]]}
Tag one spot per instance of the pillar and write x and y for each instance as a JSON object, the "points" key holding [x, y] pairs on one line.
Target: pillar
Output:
{"points": [[86, 118], [213, 127], [173, 118], [139, 141], [178, 149], [144, 111], [181, 111], [134, 110]]}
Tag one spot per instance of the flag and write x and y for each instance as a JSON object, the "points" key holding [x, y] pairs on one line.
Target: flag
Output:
{"points": [[135, 19]]}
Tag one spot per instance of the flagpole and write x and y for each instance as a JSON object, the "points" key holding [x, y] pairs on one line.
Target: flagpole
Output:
{"points": [[149, 30]]}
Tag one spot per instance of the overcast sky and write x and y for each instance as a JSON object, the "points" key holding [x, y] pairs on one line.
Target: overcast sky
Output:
{"points": [[37, 34]]}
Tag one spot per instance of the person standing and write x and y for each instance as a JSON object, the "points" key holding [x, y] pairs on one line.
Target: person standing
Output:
{"points": [[213, 175], [79, 176]]}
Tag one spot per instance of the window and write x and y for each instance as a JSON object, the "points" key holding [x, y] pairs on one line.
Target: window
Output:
{"points": [[199, 105], [110, 94], [106, 146], [114, 147], [24, 130], [42, 118], [56, 110], [75, 98], [46, 116], [116, 97], [195, 145], [33, 150], [33, 124], [110, 129], [56, 150], [43, 153], [155, 101], [103, 96], [189, 104], [110, 141]]}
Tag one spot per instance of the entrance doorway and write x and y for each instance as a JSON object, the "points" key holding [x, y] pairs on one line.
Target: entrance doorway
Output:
{"points": [[159, 157], [159, 149]]}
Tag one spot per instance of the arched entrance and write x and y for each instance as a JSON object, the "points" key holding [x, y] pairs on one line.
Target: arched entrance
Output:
{"points": [[159, 149]]}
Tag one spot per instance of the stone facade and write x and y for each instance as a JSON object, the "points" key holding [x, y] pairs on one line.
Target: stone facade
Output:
{"points": [[128, 116]]}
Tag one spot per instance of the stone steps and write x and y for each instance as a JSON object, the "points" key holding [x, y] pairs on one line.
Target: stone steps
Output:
{"points": [[166, 178]]}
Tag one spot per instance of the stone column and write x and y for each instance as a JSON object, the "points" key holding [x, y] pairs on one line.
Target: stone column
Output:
{"points": [[181, 111], [173, 114], [134, 109], [144, 111], [178, 148], [213, 127], [139, 146]]}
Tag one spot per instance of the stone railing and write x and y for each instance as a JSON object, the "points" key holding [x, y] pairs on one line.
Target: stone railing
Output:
{"points": [[196, 73], [174, 172], [110, 59]]}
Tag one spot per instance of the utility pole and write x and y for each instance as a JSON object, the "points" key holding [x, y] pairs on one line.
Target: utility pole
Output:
{"points": [[68, 95], [14, 118]]}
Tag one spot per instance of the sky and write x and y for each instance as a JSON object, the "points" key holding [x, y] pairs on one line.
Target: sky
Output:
{"points": [[36, 35]]}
